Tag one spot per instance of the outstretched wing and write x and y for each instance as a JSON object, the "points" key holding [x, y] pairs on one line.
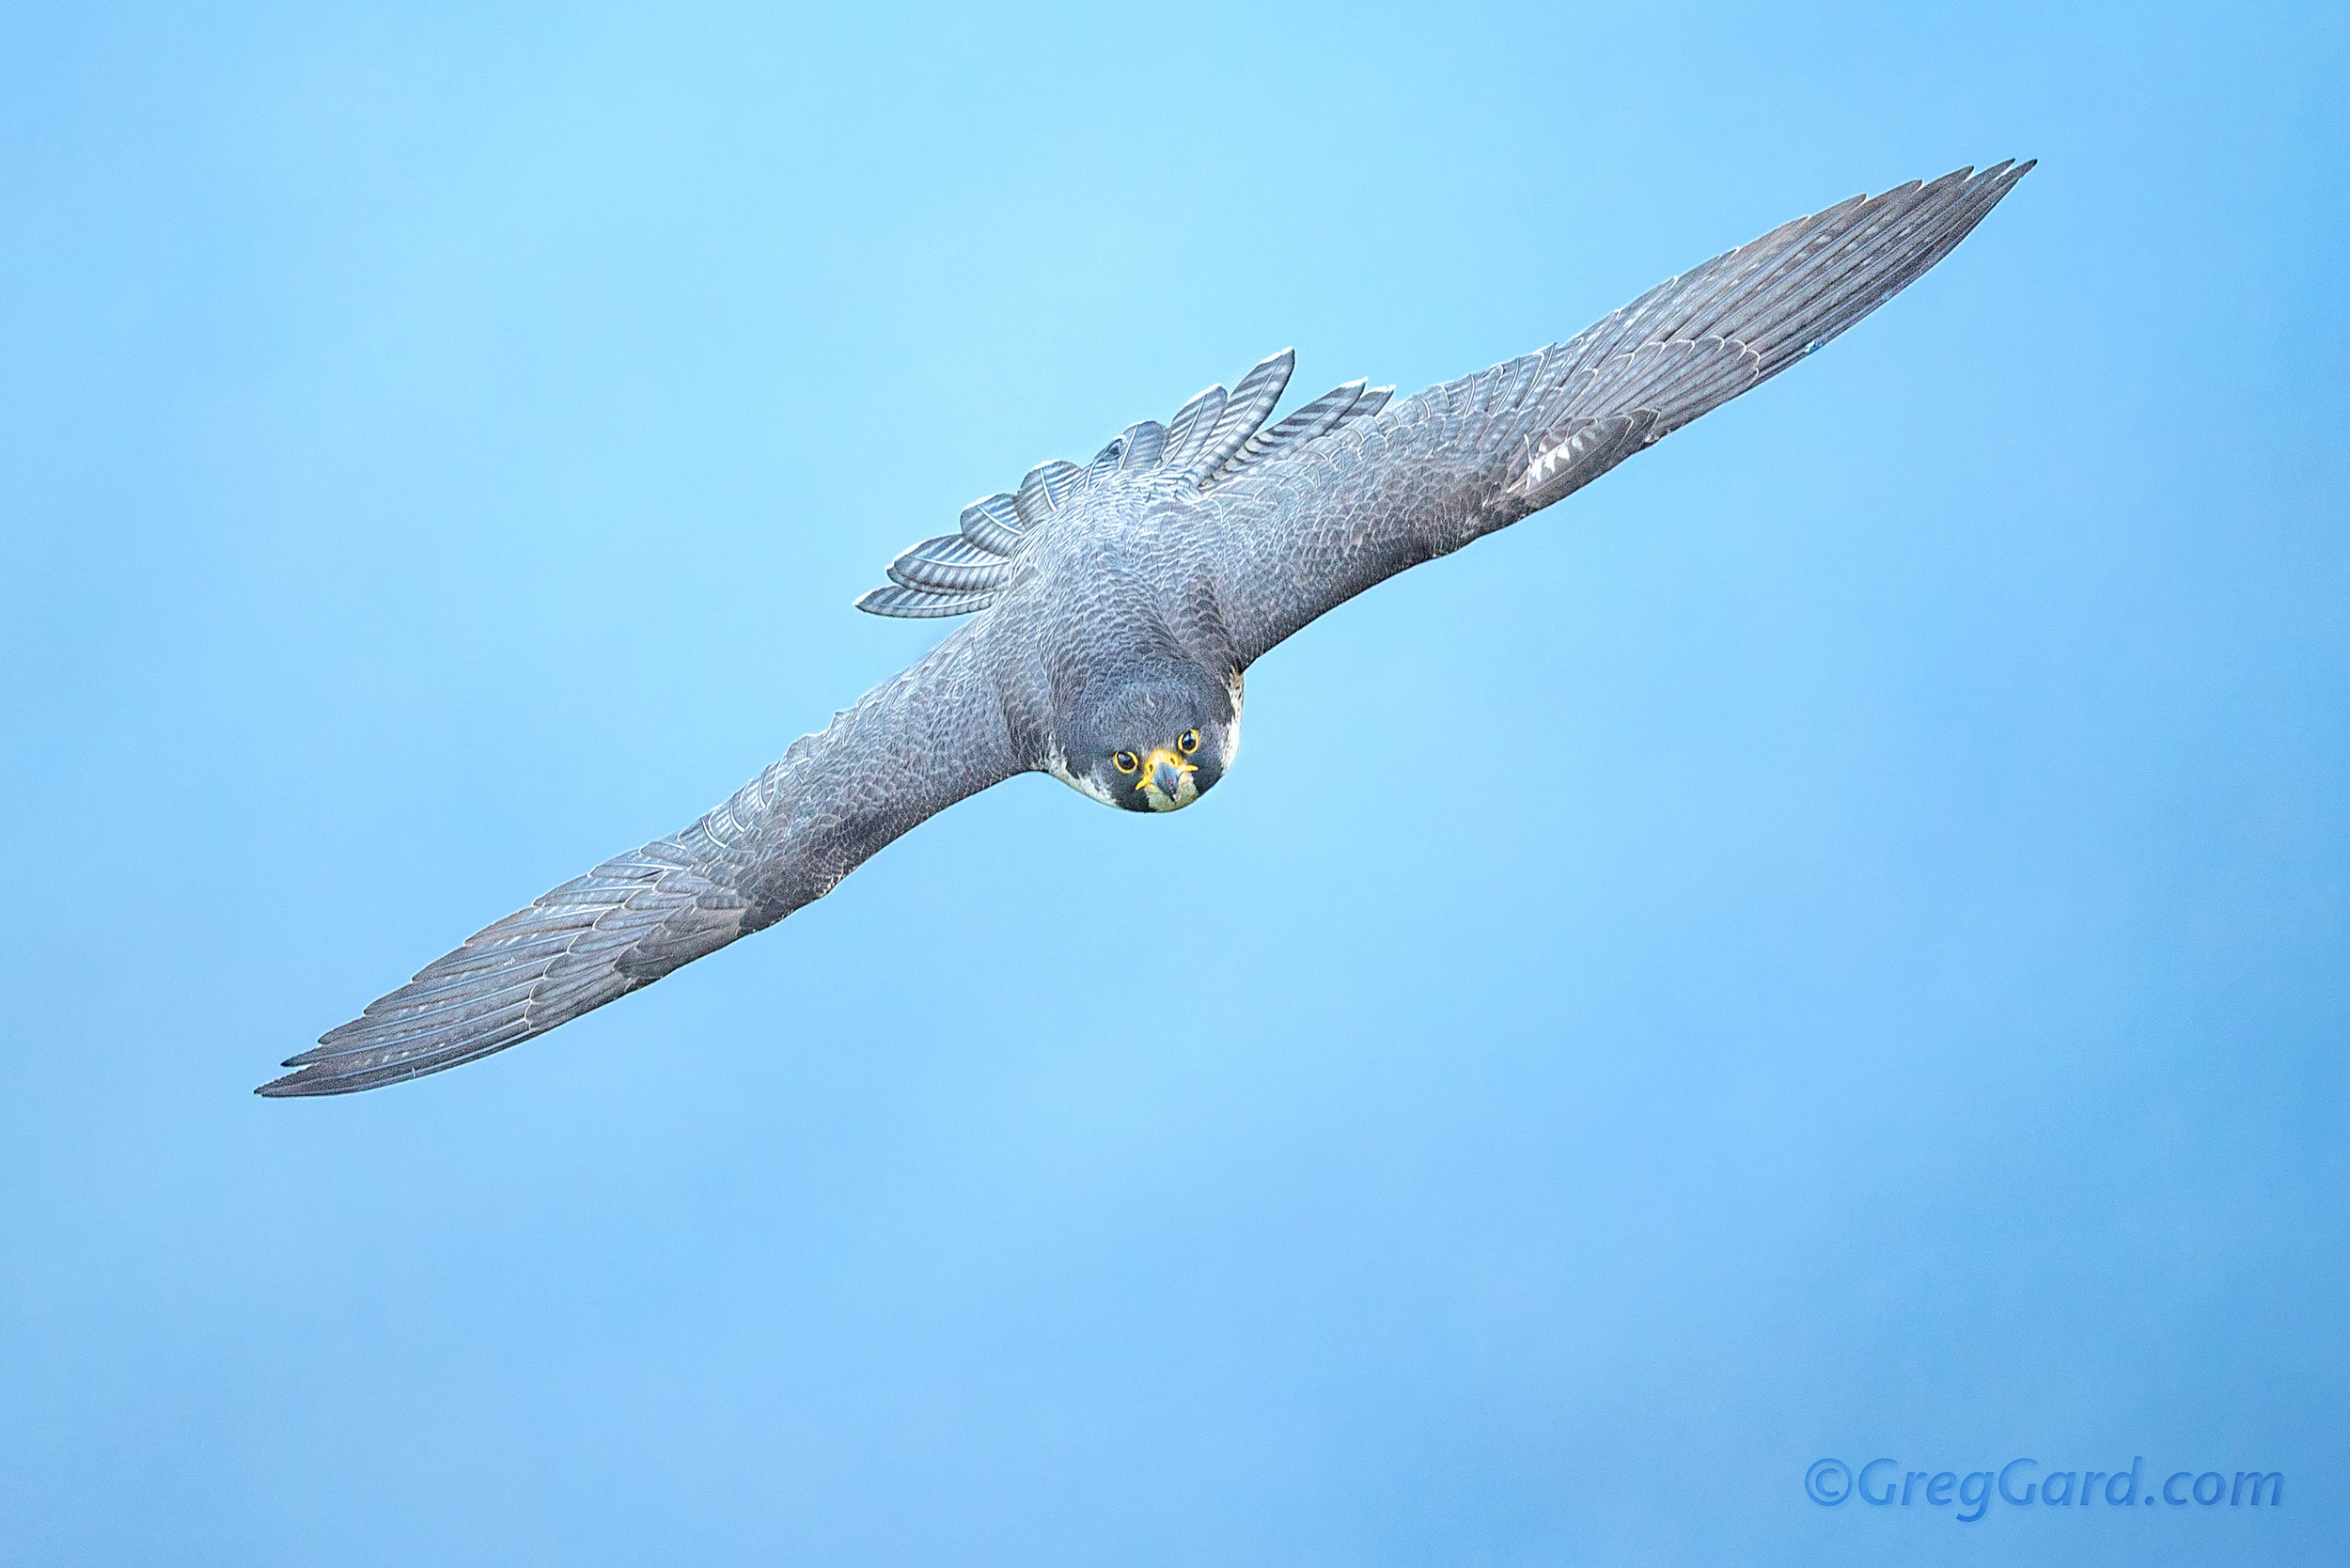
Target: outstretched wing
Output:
{"points": [[906, 751], [1299, 537]]}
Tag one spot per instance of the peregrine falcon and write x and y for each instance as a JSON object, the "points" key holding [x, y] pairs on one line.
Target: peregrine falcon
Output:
{"points": [[1115, 605]]}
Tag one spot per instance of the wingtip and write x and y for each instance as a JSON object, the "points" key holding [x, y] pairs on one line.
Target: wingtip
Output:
{"points": [[314, 1073], [281, 1086], [2006, 170], [308, 1083]]}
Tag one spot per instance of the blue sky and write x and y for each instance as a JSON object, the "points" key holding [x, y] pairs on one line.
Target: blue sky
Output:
{"points": [[1852, 962]]}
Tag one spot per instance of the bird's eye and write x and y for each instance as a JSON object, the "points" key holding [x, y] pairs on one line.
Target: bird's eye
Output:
{"points": [[1190, 742], [1127, 762]]}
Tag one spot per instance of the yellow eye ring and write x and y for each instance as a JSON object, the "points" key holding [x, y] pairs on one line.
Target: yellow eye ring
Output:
{"points": [[1190, 742], [1127, 762]]}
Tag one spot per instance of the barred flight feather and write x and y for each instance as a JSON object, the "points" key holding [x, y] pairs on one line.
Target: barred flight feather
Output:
{"points": [[1040, 491], [917, 572], [1308, 422], [1242, 411], [1108, 460], [992, 524], [906, 604], [1213, 437], [1144, 442], [1202, 410]]}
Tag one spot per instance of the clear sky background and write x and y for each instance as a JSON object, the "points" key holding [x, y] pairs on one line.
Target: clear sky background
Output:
{"points": [[1851, 957]]}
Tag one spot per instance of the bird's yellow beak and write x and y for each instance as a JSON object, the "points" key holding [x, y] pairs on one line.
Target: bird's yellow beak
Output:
{"points": [[1167, 779]]}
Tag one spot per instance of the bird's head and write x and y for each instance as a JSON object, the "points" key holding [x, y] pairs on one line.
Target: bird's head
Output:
{"points": [[1153, 749]]}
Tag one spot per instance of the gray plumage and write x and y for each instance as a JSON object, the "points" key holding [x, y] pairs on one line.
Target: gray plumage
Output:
{"points": [[1117, 605]]}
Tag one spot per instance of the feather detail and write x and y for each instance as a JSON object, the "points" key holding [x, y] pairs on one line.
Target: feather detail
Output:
{"points": [[1190, 422], [1041, 491], [1144, 442], [909, 604], [1106, 461], [1316, 419], [1244, 411], [1368, 404], [1211, 438], [951, 564], [994, 525]]}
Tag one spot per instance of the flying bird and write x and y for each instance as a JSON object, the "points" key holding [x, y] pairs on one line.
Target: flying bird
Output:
{"points": [[1115, 605]]}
